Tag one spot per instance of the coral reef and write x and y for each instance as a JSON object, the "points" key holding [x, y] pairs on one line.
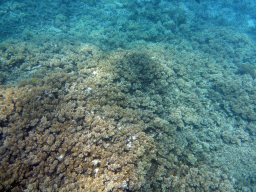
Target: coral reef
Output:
{"points": [[117, 95], [157, 117], [50, 131]]}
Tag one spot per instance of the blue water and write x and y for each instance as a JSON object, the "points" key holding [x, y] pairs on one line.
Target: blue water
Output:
{"points": [[117, 95]]}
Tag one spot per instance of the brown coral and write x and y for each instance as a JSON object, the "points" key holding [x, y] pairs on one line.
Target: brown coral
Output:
{"points": [[113, 124]]}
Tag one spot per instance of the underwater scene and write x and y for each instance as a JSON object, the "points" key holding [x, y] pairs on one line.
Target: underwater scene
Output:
{"points": [[128, 95]]}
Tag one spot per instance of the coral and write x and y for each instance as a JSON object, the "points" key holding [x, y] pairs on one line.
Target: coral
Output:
{"points": [[79, 139], [247, 68], [161, 99], [92, 2], [148, 119]]}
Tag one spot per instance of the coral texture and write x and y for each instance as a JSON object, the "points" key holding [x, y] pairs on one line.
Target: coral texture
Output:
{"points": [[155, 118]]}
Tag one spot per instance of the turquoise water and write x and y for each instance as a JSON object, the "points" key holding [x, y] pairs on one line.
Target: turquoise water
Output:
{"points": [[117, 95]]}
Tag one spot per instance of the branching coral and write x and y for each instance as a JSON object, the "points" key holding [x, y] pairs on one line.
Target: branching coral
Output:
{"points": [[122, 121]]}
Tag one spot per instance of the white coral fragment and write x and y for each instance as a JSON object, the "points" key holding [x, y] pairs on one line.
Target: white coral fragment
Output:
{"points": [[89, 89], [95, 162], [60, 157], [95, 72], [129, 144], [96, 171]]}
